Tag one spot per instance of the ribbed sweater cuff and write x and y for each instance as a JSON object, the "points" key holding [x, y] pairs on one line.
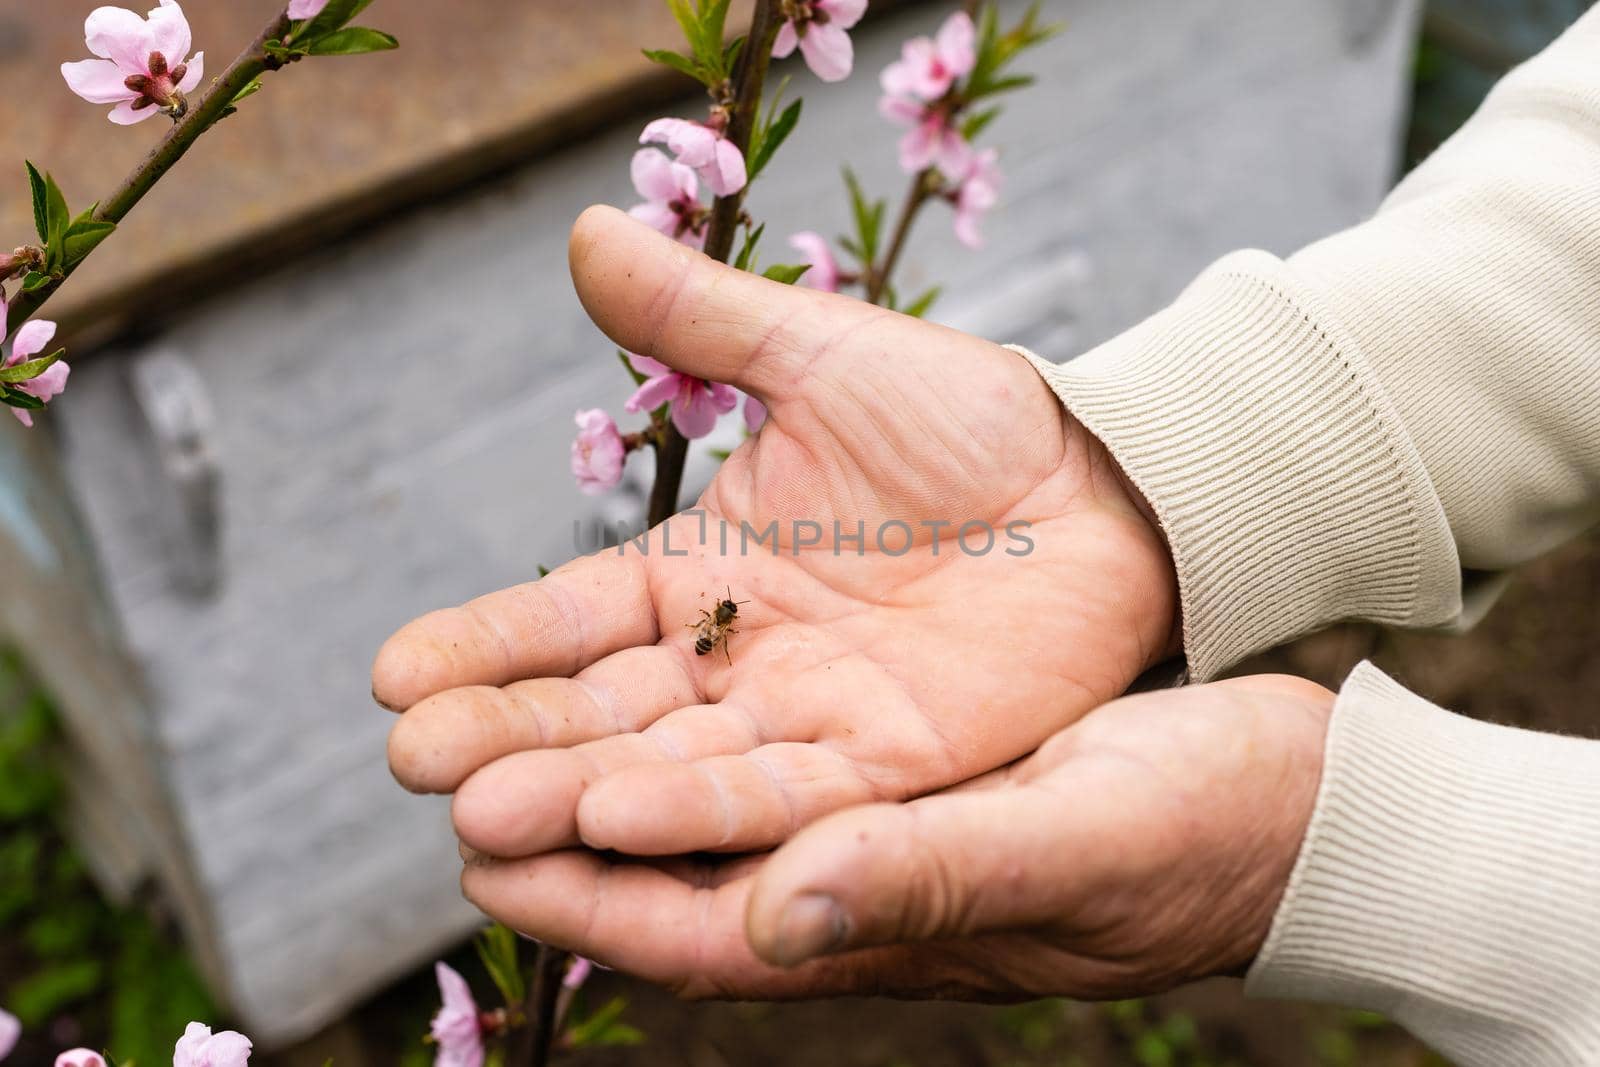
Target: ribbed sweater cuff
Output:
{"points": [[1450, 879], [1289, 492]]}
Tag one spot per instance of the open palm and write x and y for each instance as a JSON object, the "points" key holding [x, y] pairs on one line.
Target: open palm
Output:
{"points": [[896, 659]]}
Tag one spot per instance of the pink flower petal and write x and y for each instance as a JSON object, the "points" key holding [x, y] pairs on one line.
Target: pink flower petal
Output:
{"points": [[824, 272], [694, 413], [843, 13], [48, 385], [900, 111], [169, 33], [653, 393], [653, 175], [786, 42], [755, 414], [657, 216], [917, 149], [828, 51], [694, 145], [726, 175], [121, 36], [578, 972], [80, 1057], [196, 71], [957, 45], [124, 113], [306, 9], [31, 339], [723, 397], [198, 1047], [10, 1026], [98, 81], [650, 368]]}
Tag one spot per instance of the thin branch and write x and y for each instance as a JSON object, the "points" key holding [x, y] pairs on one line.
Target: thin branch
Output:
{"points": [[251, 64], [749, 80], [533, 1045], [879, 275]]}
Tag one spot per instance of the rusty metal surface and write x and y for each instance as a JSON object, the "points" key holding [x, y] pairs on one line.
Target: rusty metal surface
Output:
{"points": [[330, 144]]}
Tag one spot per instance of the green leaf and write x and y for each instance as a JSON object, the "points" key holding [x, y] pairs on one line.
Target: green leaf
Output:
{"points": [[353, 41], [868, 217], [497, 948], [15, 398], [50, 989], [27, 372], [921, 305], [252, 87], [772, 136], [84, 237], [604, 1027], [57, 219], [977, 122], [326, 21], [41, 212], [747, 251], [996, 50], [678, 62], [786, 273], [35, 281], [638, 379]]}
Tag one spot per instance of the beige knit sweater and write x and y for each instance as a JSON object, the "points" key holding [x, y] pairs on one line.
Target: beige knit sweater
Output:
{"points": [[1377, 429]]}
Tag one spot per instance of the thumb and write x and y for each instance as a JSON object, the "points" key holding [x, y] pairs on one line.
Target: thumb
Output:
{"points": [[658, 298], [951, 865]]}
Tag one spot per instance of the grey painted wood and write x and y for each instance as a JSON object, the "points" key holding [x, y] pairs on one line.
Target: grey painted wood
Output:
{"points": [[392, 421]]}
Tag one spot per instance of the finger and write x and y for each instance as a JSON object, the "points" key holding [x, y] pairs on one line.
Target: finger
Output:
{"points": [[679, 932], [726, 803], [658, 298], [439, 742], [527, 802], [565, 621], [952, 865]]}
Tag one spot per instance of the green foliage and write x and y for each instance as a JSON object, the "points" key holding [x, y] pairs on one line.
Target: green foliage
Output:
{"points": [[868, 216], [769, 134], [746, 259], [353, 41], [328, 33], [604, 1028], [704, 23], [66, 240], [29, 370], [996, 50], [67, 950], [920, 307], [786, 273], [497, 948]]}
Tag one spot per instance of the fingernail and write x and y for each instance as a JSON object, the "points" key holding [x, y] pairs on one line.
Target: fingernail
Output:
{"points": [[811, 925], [379, 701]]}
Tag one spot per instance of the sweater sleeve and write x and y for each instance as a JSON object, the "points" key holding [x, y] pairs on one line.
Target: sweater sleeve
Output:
{"points": [[1395, 413], [1450, 879]]}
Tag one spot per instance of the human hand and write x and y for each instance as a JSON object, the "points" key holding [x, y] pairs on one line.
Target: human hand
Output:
{"points": [[1144, 847], [574, 709]]}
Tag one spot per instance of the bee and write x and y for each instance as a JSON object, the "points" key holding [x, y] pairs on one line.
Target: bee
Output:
{"points": [[715, 626]]}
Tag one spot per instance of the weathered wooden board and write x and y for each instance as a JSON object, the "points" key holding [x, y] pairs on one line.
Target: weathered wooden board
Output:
{"points": [[392, 419]]}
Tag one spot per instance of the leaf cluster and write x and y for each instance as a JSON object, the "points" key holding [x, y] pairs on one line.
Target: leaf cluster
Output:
{"points": [[327, 34], [711, 56]]}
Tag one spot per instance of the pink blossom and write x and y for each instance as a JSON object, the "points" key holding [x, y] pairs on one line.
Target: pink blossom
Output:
{"points": [[10, 1033], [597, 453], [456, 1028], [824, 272], [306, 9], [144, 65], [696, 403], [578, 972], [927, 68], [199, 1047], [31, 339], [703, 150], [978, 192], [672, 198], [932, 140], [80, 1057], [755, 414], [817, 28]]}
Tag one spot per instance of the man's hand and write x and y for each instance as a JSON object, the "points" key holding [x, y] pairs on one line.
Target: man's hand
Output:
{"points": [[575, 710], [1144, 847]]}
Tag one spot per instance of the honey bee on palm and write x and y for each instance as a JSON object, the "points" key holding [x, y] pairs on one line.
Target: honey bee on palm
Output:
{"points": [[715, 626]]}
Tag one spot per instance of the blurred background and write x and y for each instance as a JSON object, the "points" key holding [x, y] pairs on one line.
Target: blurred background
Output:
{"points": [[323, 381]]}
